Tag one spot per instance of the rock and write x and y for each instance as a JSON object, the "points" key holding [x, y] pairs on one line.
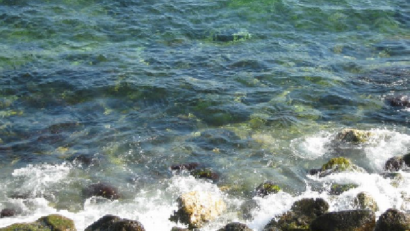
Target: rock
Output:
{"points": [[394, 164], [7, 212], [205, 173], [196, 208], [302, 213], [339, 164], [406, 159], [102, 190], [114, 223], [314, 171], [393, 220], [186, 166], [47, 223], [231, 35], [235, 226], [365, 201], [353, 136], [247, 207], [179, 229], [351, 220], [338, 189], [267, 188], [399, 101]]}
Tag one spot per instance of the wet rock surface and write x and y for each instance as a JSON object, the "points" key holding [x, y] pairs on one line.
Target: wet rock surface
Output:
{"points": [[364, 200], [337, 189], [7, 212], [353, 136], [114, 223], [393, 220], [267, 188], [47, 223], [235, 226], [102, 190], [196, 208], [351, 220], [300, 216]]}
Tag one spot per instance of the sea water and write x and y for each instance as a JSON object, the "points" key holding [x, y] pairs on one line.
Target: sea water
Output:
{"points": [[119, 91]]}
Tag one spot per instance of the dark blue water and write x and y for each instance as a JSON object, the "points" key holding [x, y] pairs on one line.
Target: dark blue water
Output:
{"points": [[128, 88]]}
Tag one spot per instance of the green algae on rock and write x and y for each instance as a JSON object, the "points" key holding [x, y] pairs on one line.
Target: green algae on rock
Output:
{"points": [[267, 188], [52, 222]]}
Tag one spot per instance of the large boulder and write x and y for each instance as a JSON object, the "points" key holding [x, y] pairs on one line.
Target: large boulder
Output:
{"points": [[364, 201], [354, 136], [196, 208], [114, 223], [351, 220], [102, 190], [301, 214], [267, 188], [51, 222], [235, 226], [393, 220]]}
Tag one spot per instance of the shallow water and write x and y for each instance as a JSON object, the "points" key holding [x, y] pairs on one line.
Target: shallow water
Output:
{"points": [[117, 92]]}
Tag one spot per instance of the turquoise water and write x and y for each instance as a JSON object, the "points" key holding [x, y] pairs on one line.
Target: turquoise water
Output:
{"points": [[118, 91]]}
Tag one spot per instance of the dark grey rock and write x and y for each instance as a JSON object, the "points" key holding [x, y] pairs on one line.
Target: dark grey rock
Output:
{"points": [[351, 220], [114, 223], [235, 226], [393, 220]]}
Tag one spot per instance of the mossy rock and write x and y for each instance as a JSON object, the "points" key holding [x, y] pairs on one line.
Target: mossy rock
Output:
{"points": [[57, 222], [338, 189], [365, 201], [52, 222], [235, 226], [302, 213], [393, 220], [353, 136], [114, 223], [267, 188], [338, 162], [352, 220]]}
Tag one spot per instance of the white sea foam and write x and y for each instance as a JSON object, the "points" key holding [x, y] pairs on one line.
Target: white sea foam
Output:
{"points": [[311, 147]]}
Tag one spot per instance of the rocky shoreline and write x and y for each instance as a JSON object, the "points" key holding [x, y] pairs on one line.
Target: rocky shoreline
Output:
{"points": [[196, 208]]}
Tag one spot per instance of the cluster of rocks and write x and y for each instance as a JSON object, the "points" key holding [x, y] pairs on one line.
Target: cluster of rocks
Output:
{"points": [[196, 208]]}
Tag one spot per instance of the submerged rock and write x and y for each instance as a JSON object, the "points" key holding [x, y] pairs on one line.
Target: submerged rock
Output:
{"points": [[338, 189], [353, 136], [267, 188], [365, 201], [7, 212], [103, 190], [247, 207], [231, 35], [235, 226], [302, 213], [47, 223], [393, 220], [351, 220], [196, 208], [114, 223]]}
